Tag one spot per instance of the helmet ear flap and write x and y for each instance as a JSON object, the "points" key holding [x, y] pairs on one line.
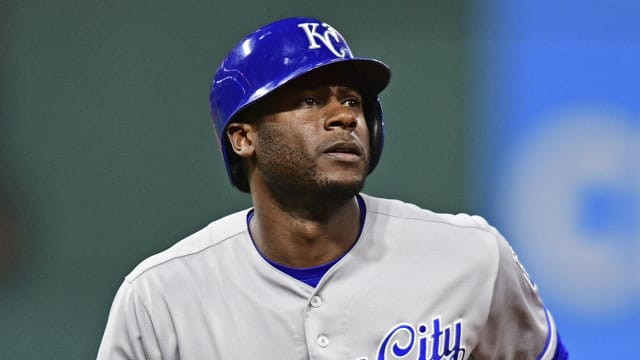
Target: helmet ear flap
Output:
{"points": [[373, 116]]}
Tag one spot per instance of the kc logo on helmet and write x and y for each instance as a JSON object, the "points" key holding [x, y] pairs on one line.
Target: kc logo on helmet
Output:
{"points": [[326, 38]]}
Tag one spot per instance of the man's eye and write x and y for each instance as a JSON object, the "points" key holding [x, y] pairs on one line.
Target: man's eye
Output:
{"points": [[310, 101], [352, 102]]}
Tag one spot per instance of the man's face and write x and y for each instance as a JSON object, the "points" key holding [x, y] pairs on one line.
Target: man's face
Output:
{"points": [[313, 138]]}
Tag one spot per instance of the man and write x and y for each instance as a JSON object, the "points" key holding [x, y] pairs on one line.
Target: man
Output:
{"points": [[316, 270]]}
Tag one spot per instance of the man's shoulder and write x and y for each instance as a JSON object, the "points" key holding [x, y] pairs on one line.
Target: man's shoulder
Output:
{"points": [[214, 234], [407, 211], [433, 240]]}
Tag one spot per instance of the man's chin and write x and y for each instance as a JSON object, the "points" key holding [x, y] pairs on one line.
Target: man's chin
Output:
{"points": [[332, 187], [340, 189]]}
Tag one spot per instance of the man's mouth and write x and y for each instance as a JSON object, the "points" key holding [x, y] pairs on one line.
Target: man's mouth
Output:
{"points": [[344, 151]]}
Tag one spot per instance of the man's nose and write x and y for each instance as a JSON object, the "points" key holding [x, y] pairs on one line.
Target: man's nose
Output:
{"points": [[340, 116]]}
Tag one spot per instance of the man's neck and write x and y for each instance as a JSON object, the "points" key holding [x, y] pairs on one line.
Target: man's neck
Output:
{"points": [[307, 235]]}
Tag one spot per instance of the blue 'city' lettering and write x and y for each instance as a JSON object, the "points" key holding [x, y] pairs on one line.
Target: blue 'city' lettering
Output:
{"points": [[423, 342]]}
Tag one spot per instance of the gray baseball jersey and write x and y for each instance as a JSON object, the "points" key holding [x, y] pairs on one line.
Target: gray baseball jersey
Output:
{"points": [[416, 285]]}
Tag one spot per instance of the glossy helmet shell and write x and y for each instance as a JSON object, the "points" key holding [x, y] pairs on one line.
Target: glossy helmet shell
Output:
{"points": [[272, 56]]}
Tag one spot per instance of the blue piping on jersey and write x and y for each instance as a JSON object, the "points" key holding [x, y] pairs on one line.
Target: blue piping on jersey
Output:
{"points": [[561, 352]]}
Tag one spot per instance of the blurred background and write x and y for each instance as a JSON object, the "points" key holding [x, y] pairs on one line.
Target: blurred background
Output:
{"points": [[525, 112]]}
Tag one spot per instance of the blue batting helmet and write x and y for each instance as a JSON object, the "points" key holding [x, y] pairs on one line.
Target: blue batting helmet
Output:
{"points": [[275, 54]]}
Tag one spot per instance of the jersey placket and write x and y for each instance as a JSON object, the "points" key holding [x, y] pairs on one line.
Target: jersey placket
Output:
{"points": [[322, 324]]}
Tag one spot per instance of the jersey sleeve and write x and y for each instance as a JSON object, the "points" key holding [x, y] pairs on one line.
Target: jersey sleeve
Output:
{"points": [[518, 325], [129, 333]]}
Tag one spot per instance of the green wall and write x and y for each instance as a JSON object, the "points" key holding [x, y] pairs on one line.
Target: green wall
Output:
{"points": [[108, 155]]}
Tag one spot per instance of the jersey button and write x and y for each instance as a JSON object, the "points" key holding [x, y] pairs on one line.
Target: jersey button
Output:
{"points": [[316, 301], [323, 341]]}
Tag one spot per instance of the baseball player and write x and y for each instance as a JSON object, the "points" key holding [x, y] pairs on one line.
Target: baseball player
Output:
{"points": [[316, 269]]}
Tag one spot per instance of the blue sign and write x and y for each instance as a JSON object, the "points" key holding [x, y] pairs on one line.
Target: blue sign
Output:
{"points": [[557, 91]]}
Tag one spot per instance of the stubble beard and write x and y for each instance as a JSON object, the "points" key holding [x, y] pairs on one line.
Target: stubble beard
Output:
{"points": [[291, 172]]}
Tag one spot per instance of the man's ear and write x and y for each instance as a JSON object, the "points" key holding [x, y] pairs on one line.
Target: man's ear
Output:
{"points": [[241, 137]]}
